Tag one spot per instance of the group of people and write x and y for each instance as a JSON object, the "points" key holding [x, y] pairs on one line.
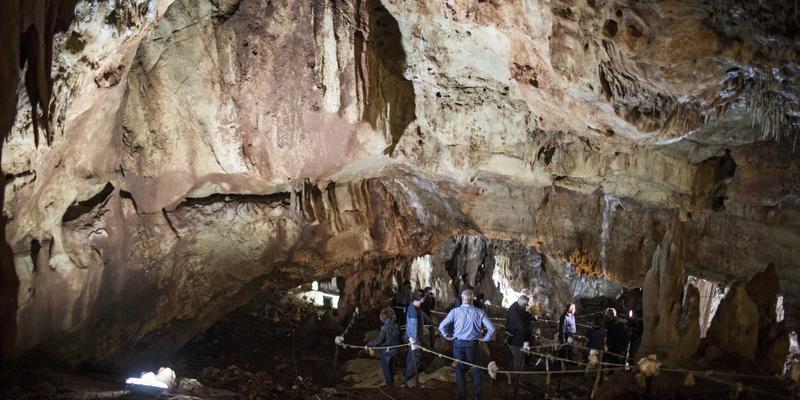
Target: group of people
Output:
{"points": [[415, 309], [466, 325]]}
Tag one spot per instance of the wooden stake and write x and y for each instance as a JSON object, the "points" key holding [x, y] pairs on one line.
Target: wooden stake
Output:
{"points": [[335, 362], [599, 374], [547, 378]]}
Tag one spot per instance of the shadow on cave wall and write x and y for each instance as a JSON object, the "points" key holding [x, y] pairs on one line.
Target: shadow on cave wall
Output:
{"points": [[389, 103], [28, 46]]}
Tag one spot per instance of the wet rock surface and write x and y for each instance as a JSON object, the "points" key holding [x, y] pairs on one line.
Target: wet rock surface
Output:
{"points": [[165, 161]]}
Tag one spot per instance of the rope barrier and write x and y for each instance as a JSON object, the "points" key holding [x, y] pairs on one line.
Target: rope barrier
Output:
{"points": [[580, 363], [441, 355], [493, 371]]}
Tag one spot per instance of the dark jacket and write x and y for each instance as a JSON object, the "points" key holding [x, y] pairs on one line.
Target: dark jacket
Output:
{"points": [[618, 336], [566, 327], [389, 336], [518, 325], [427, 305], [597, 337]]}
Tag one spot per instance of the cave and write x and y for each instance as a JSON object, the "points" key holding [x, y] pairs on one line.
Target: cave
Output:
{"points": [[228, 199]]}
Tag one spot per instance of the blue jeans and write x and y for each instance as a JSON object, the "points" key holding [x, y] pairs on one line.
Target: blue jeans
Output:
{"points": [[413, 363], [386, 363], [470, 352]]}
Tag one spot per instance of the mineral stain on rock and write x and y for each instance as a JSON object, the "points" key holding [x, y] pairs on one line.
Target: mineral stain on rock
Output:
{"points": [[165, 162]]}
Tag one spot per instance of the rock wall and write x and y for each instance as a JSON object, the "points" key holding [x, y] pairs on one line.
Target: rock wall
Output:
{"points": [[190, 153]]}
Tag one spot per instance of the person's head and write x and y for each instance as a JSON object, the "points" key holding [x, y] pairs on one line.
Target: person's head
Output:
{"points": [[407, 284], [523, 301], [467, 296], [387, 314], [429, 292], [611, 313], [418, 297], [570, 309]]}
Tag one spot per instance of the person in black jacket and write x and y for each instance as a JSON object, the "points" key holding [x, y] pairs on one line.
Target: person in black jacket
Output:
{"points": [[597, 342], [617, 338], [518, 327], [597, 335], [428, 305], [389, 336], [401, 301]]}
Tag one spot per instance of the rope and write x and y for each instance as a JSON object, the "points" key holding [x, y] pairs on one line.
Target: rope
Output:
{"points": [[625, 357], [352, 346], [613, 366], [583, 364], [720, 373], [739, 386]]}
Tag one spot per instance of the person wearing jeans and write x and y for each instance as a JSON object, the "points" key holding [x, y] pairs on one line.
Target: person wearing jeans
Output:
{"points": [[389, 336], [463, 325]]}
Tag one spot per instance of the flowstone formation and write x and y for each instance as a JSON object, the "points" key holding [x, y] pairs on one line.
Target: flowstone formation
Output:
{"points": [[166, 160]]}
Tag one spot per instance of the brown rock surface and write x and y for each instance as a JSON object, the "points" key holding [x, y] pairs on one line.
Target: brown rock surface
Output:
{"points": [[192, 151]]}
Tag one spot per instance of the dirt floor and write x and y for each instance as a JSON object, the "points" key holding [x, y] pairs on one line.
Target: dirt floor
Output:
{"points": [[279, 349]]}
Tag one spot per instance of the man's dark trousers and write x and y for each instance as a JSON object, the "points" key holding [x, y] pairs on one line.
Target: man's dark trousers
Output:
{"points": [[467, 350], [413, 361]]}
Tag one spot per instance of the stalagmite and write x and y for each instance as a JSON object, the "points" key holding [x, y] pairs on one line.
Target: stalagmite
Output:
{"points": [[176, 175]]}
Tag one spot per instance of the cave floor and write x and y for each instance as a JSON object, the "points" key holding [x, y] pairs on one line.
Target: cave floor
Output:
{"points": [[278, 349]]}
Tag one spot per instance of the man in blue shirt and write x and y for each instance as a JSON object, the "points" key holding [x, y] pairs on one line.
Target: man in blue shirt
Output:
{"points": [[566, 330], [464, 324]]}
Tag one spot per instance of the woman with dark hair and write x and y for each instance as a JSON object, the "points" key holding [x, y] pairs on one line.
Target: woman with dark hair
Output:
{"points": [[389, 336]]}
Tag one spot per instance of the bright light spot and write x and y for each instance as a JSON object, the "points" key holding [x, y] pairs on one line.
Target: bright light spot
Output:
{"points": [[711, 294], [147, 379], [421, 269], [630, 314], [779, 315], [327, 296], [499, 277]]}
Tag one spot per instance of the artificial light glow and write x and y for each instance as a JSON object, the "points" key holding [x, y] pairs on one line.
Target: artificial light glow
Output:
{"points": [[320, 297], [630, 314], [501, 281], [147, 379]]}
